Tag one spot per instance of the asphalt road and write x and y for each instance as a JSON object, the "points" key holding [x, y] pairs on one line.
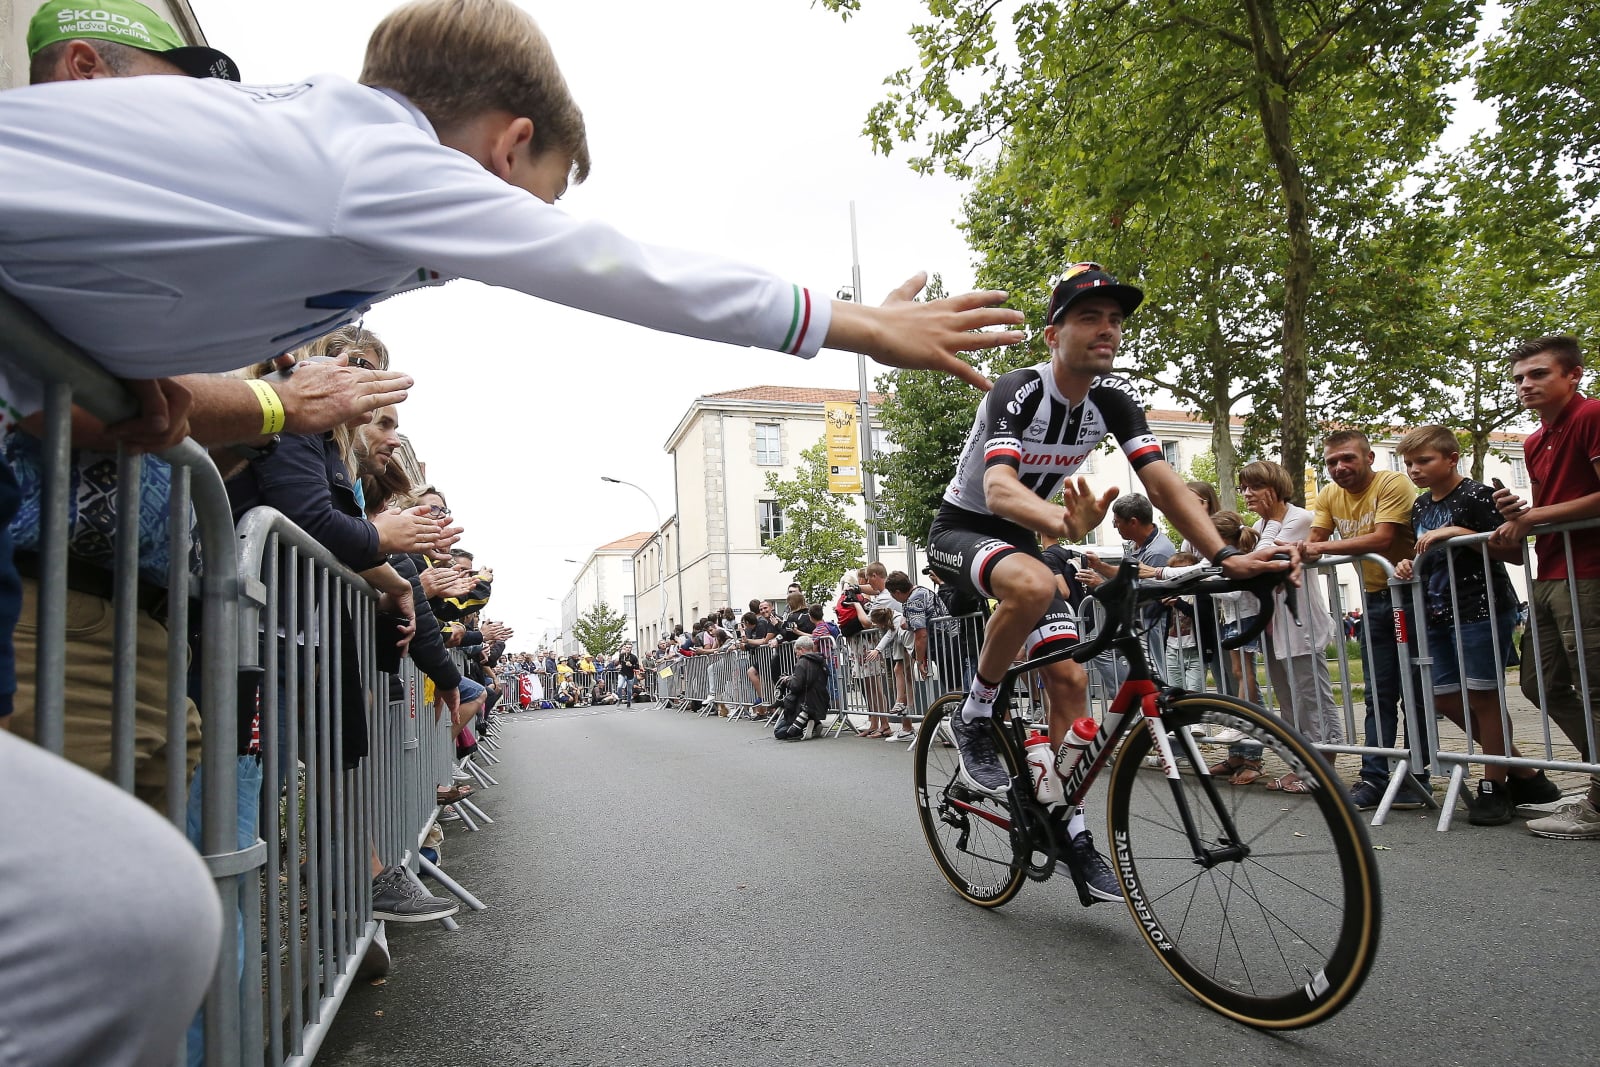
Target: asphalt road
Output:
{"points": [[666, 889]]}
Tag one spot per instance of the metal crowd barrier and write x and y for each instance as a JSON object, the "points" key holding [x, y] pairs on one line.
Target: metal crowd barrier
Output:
{"points": [[71, 378], [1569, 748], [294, 884]]}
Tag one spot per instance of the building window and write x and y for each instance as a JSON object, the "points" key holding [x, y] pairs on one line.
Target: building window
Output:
{"points": [[769, 444], [1396, 463], [1089, 463], [888, 539], [881, 441], [771, 520], [1092, 537], [1169, 452], [1519, 474]]}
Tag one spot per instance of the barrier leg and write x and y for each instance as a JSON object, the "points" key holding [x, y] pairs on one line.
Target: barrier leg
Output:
{"points": [[1397, 782], [1447, 810], [432, 871], [470, 806]]}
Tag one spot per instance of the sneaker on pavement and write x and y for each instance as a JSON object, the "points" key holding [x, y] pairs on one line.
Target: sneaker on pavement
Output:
{"points": [[1365, 795], [903, 735], [1412, 794], [1226, 736], [980, 766], [1490, 807], [1536, 790], [396, 898], [1578, 821], [1091, 870]]}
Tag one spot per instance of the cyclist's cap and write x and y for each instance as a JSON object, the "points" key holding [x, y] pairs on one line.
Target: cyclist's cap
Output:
{"points": [[1090, 279], [130, 23]]}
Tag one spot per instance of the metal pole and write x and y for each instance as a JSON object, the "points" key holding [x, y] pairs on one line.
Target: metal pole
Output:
{"points": [[661, 578], [864, 407]]}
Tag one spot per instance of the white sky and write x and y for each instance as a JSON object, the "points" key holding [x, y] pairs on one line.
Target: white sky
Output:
{"points": [[731, 126]]}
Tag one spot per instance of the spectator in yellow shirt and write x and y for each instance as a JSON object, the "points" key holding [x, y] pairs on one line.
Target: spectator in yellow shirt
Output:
{"points": [[1371, 513]]}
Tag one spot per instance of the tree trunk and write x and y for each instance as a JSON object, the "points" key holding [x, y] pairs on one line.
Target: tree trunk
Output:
{"points": [[1480, 450], [1221, 404], [1272, 97]]}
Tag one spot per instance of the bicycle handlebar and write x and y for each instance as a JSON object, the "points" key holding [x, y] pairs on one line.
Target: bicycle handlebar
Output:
{"points": [[1122, 593]]}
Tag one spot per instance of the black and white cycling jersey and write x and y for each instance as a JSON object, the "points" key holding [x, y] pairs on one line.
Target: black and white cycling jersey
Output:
{"points": [[1026, 424]]}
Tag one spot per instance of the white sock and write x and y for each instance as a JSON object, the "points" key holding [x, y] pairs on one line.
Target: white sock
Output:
{"points": [[980, 701], [1077, 824]]}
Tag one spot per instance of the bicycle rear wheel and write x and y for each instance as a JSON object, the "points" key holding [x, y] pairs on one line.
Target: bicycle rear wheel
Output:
{"points": [[968, 833], [1280, 937]]}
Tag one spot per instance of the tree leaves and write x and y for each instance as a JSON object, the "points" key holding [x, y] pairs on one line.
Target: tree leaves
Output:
{"points": [[599, 630]]}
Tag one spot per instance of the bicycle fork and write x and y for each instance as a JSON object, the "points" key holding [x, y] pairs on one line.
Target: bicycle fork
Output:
{"points": [[1232, 849]]}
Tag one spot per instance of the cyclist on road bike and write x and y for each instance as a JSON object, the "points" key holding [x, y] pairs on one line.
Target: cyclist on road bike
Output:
{"points": [[1031, 433]]}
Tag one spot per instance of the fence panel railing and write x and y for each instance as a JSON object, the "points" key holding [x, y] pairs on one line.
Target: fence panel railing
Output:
{"points": [[199, 500]]}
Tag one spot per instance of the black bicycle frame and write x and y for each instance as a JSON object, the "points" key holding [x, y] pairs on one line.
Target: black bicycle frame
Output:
{"points": [[1138, 700]]}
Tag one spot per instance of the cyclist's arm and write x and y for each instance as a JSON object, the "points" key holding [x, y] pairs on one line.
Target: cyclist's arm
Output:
{"points": [[1171, 496], [1008, 498]]}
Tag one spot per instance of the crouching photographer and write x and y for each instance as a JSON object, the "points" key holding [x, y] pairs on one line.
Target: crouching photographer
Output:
{"points": [[805, 693]]}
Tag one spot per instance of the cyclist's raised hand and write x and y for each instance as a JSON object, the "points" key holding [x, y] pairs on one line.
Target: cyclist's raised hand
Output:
{"points": [[1082, 511]]}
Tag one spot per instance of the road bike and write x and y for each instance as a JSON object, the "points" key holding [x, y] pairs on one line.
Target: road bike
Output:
{"points": [[1264, 905]]}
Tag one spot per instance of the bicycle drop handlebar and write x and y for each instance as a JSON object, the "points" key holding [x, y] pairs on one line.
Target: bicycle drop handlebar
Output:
{"points": [[1121, 594]]}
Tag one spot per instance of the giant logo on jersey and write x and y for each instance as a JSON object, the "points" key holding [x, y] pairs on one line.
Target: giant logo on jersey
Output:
{"points": [[1014, 405]]}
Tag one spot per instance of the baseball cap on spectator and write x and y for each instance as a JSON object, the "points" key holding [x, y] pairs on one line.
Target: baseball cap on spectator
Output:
{"points": [[1090, 279], [126, 22]]}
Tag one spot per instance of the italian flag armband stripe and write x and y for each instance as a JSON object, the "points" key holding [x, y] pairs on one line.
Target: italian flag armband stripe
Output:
{"points": [[799, 321]]}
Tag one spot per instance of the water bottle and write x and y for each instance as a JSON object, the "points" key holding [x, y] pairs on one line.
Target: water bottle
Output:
{"points": [[1072, 749], [1046, 786]]}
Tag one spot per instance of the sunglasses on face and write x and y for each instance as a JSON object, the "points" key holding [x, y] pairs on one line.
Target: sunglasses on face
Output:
{"points": [[1073, 271], [358, 361], [439, 511]]}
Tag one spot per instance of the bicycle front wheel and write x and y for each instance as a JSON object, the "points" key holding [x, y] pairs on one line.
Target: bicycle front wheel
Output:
{"points": [[968, 833], [1275, 923]]}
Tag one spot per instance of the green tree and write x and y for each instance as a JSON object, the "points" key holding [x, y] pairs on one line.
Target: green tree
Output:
{"points": [[599, 630], [1193, 127], [820, 541]]}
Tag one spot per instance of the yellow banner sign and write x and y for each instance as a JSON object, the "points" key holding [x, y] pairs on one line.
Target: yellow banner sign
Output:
{"points": [[844, 446]]}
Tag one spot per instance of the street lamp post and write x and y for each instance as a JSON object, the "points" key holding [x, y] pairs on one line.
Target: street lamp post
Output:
{"points": [[661, 556]]}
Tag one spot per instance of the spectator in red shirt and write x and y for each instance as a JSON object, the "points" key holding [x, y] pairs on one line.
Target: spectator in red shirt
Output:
{"points": [[1563, 458]]}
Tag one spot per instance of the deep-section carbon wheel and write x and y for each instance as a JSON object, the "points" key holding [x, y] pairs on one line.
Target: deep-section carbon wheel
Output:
{"points": [[1279, 926], [968, 833]]}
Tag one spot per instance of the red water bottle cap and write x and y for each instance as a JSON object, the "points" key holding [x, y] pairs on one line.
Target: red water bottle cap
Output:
{"points": [[1085, 729], [1037, 738]]}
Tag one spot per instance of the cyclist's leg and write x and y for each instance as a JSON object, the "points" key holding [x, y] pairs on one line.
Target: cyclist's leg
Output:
{"points": [[1024, 587], [1066, 687]]}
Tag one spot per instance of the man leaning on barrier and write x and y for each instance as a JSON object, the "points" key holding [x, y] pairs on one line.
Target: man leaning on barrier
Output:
{"points": [[1371, 512], [1563, 461]]}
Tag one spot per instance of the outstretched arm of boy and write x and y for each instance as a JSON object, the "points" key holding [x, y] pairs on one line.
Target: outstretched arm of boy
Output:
{"points": [[925, 336]]}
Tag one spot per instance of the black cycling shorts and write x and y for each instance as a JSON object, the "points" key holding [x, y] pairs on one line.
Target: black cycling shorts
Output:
{"points": [[964, 547]]}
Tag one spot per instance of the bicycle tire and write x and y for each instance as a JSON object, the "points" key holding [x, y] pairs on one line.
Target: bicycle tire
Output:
{"points": [[978, 858], [1280, 939]]}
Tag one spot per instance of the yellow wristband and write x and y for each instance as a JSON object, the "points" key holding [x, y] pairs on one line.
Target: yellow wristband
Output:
{"points": [[272, 416]]}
